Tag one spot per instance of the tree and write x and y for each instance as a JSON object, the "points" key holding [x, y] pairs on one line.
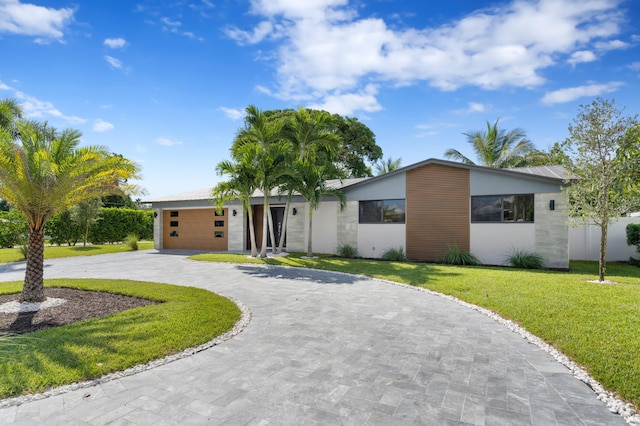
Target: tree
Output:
{"points": [[10, 112], [4, 206], [385, 166], [605, 159], [498, 148], [84, 214], [358, 147], [263, 139], [241, 185], [44, 171], [313, 187]]}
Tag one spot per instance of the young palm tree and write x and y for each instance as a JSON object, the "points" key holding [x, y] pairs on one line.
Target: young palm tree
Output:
{"points": [[263, 138], [241, 185], [387, 166], [313, 187], [498, 148], [310, 133], [44, 171]]}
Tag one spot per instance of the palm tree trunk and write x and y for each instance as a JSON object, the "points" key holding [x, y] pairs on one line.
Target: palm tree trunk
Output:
{"points": [[265, 222], [33, 288], [272, 233], [284, 224], [252, 232], [310, 233]]}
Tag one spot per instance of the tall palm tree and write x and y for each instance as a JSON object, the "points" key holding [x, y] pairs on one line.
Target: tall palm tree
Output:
{"points": [[311, 135], [241, 185], [498, 148], [388, 165], [264, 139], [44, 171], [313, 187]]}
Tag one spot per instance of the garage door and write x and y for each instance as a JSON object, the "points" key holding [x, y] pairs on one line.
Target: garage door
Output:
{"points": [[195, 229]]}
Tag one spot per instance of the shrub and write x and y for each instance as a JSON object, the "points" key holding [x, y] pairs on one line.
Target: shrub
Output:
{"points": [[456, 256], [347, 251], [13, 228], [132, 241], [525, 259], [633, 239], [115, 224], [394, 255]]}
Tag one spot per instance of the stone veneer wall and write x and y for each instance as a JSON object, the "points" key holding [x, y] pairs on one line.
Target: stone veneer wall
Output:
{"points": [[236, 228], [296, 231], [552, 230], [157, 229], [348, 225]]}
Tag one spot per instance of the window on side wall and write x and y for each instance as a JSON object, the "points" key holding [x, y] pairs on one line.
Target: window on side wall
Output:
{"points": [[516, 208], [382, 211]]}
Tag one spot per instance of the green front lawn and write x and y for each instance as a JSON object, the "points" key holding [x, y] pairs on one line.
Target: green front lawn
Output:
{"points": [[51, 252], [596, 325], [188, 317]]}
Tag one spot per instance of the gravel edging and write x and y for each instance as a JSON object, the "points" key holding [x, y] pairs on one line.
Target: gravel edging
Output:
{"points": [[240, 325], [611, 401]]}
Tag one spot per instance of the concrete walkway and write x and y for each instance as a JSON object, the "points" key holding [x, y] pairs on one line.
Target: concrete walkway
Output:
{"points": [[323, 348]]}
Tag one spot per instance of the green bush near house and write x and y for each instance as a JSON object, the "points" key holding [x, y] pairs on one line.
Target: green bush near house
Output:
{"points": [[347, 251], [524, 259], [633, 239], [456, 256], [394, 255]]}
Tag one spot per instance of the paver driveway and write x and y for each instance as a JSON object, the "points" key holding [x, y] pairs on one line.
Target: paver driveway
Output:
{"points": [[323, 348]]}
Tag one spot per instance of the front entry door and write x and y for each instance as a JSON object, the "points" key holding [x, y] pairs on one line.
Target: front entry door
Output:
{"points": [[277, 213]]}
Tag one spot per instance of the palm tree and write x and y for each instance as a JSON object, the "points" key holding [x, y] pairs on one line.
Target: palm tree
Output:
{"points": [[498, 148], [387, 166], [44, 171], [310, 133], [313, 187], [241, 185], [263, 138], [10, 112]]}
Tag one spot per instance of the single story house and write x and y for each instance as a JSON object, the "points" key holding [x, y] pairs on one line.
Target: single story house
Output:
{"points": [[422, 208]]}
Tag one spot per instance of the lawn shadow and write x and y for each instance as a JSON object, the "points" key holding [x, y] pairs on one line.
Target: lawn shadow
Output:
{"points": [[299, 274]]}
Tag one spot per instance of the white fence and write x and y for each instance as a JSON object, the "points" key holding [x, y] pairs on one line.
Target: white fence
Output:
{"points": [[584, 241]]}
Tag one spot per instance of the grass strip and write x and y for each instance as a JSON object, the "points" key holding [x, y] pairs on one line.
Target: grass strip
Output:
{"points": [[51, 252], [188, 317], [596, 325]]}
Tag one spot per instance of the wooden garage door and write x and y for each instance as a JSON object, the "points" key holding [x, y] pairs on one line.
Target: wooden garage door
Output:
{"points": [[195, 229]]}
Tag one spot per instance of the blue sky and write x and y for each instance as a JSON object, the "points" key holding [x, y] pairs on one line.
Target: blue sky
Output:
{"points": [[164, 83]]}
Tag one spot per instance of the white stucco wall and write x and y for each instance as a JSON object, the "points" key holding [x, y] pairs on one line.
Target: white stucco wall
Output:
{"points": [[325, 227], [491, 243], [236, 228], [157, 229], [584, 241], [375, 239]]}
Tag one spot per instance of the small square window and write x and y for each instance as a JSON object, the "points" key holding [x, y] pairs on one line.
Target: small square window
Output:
{"points": [[219, 234], [173, 214], [173, 223], [219, 214], [173, 234], [218, 223]]}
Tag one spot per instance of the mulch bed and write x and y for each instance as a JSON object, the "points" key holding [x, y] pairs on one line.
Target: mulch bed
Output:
{"points": [[81, 305]]}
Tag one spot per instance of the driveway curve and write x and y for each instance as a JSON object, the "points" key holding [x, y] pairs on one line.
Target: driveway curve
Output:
{"points": [[322, 348]]}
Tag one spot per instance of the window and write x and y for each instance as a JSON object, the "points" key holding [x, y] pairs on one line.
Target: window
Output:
{"points": [[219, 214], [173, 213], [218, 234], [382, 211], [173, 234], [502, 208], [173, 223], [218, 223]]}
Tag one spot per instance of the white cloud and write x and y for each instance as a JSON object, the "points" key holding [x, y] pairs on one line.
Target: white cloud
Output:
{"points": [[635, 66], [168, 22], [472, 107], [167, 141], [233, 113], [114, 62], [572, 93], [346, 103], [581, 56], [45, 23], [35, 108], [612, 45], [115, 43], [329, 52], [4, 86], [102, 126]]}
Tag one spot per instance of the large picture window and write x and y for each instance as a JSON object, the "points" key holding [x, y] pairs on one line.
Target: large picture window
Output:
{"points": [[502, 208], [382, 211]]}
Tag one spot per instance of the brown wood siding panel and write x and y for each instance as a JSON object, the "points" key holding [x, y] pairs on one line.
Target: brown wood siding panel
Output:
{"points": [[196, 230], [258, 220], [437, 211]]}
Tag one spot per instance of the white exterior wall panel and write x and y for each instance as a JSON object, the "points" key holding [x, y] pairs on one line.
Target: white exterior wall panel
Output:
{"points": [[375, 239]]}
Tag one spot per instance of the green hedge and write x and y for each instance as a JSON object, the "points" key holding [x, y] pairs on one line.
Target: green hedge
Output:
{"points": [[113, 225], [633, 235], [13, 228]]}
